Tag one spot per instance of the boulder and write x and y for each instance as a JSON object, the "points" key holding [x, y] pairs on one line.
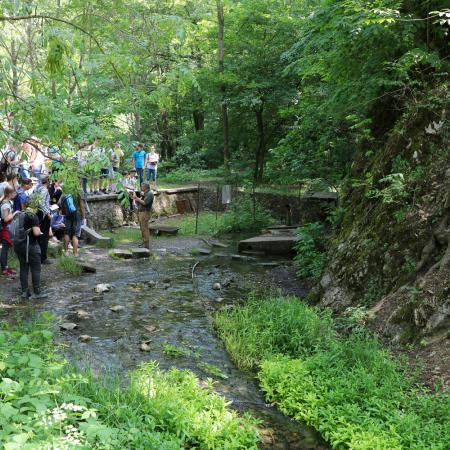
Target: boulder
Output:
{"points": [[217, 286], [85, 338]]}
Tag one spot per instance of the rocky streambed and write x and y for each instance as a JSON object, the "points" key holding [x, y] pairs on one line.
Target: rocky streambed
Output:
{"points": [[154, 309]]}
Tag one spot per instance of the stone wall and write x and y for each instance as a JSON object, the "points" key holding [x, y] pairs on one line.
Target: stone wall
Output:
{"points": [[289, 209], [106, 212]]}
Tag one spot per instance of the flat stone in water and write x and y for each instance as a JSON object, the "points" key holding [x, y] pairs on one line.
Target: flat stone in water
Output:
{"points": [[269, 264], [85, 338], [217, 286], [204, 251], [86, 266], [140, 252], [122, 254]]}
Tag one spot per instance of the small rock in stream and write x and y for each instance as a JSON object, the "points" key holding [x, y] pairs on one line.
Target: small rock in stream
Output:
{"points": [[102, 287], [68, 326], [217, 286], [166, 280], [85, 338], [204, 251], [82, 314], [219, 244], [220, 299], [145, 347], [116, 308], [151, 283]]}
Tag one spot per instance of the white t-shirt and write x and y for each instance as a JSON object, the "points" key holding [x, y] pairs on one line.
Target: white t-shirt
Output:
{"points": [[152, 160], [2, 188], [6, 206]]}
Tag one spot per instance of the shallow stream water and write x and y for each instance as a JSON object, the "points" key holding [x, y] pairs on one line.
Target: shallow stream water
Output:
{"points": [[163, 304]]}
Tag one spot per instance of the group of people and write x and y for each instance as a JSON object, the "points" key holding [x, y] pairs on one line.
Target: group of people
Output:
{"points": [[31, 214], [34, 209]]}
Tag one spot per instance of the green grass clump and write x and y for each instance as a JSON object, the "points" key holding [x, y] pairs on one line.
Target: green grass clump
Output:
{"points": [[348, 388], [125, 235], [174, 351], [69, 265], [47, 404], [272, 326]]}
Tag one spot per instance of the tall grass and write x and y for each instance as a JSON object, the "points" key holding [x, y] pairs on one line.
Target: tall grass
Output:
{"points": [[350, 389]]}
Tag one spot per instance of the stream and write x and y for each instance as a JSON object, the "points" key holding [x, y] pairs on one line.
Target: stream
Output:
{"points": [[162, 304]]}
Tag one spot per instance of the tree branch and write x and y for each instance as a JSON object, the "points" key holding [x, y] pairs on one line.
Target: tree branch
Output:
{"points": [[67, 22]]}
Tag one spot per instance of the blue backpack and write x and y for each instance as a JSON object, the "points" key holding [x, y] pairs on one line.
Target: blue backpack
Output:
{"points": [[69, 205]]}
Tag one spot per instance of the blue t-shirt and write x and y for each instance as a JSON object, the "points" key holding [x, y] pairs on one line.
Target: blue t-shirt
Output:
{"points": [[139, 159]]}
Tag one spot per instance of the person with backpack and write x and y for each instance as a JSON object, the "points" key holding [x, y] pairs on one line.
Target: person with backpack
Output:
{"points": [[25, 232], [45, 216], [73, 210], [7, 214]]}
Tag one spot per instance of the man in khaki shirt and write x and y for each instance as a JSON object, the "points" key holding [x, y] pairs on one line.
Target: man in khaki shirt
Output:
{"points": [[144, 203]]}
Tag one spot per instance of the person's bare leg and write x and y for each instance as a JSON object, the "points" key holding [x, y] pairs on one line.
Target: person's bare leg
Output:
{"points": [[66, 243], [75, 246]]}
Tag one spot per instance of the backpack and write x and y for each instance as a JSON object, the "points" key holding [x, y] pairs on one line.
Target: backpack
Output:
{"points": [[68, 205], [16, 229]]}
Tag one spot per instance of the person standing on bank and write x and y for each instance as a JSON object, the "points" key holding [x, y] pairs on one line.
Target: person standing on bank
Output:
{"points": [[7, 214], [45, 217], [139, 161], [28, 251], [144, 203], [74, 211], [151, 165]]}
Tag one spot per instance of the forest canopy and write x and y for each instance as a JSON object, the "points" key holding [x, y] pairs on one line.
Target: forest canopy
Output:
{"points": [[274, 90]]}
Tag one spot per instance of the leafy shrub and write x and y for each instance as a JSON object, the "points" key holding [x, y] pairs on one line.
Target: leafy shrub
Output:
{"points": [[275, 325], [348, 388], [310, 258], [46, 404], [244, 214]]}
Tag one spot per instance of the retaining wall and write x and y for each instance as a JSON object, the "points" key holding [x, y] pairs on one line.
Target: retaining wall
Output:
{"points": [[106, 212]]}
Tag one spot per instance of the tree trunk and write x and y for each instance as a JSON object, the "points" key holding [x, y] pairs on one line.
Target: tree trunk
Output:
{"points": [[199, 120], [224, 106], [261, 148]]}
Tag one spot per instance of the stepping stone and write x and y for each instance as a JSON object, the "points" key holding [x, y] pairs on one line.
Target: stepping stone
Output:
{"points": [[145, 347], [87, 267], [82, 314], [219, 245], [217, 286], [92, 237], [279, 245], [122, 254], [204, 251], [85, 338], [68, 326], [140, 252], [159, 230]]}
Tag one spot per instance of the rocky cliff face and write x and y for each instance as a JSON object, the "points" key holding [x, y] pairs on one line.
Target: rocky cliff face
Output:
{"points": [[392, 252]]}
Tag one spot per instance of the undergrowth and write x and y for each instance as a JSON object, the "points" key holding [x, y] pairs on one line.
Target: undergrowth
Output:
{"points": [[348, 388], [45, 403], [69, 265]]}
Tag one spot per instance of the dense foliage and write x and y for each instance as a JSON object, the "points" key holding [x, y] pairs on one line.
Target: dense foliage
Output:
{"points": [[44, 403], [348, 388], [308, 85]]}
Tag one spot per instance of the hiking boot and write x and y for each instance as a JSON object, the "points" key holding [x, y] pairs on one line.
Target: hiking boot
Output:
{"points": [[39, 295], [25, 294]]}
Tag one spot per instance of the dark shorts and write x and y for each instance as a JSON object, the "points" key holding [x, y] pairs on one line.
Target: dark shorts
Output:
{"points": [[73, 225]]}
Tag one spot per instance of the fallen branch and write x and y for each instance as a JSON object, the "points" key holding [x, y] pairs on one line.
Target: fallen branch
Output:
{"points": [[193, 269]]}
